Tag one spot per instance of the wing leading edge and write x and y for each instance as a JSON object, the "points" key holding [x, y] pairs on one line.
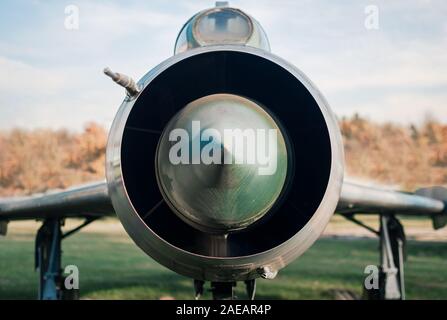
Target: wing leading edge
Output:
{"points": [[89, 200], [92, 200], [430, 202]]}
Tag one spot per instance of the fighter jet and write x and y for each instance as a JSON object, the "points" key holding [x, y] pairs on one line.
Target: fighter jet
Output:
{"points": [[224, 163]]}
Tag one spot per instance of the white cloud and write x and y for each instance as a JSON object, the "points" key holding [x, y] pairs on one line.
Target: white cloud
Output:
{"points": [[20, 78], [405, 108], [409, 103], [419, 65], [52, 72], [55, 97]]}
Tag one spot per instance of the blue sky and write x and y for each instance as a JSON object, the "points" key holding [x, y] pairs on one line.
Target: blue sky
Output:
{"points": [[52, 77]]}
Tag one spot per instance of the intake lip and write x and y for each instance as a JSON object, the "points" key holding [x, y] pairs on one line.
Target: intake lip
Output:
{"points": [[306, 203]]}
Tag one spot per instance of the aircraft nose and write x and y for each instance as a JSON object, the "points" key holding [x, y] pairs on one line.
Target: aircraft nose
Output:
{"points": [[221, 163]]}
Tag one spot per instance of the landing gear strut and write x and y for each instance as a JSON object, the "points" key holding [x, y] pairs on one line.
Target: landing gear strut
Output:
{"points": [[225, 290], [48, 259], [392, 256], [48, 254]]}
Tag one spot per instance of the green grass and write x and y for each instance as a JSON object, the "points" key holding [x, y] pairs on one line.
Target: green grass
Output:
{"points": [[112, 267]]}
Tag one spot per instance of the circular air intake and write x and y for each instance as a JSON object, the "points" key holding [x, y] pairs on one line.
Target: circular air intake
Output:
{"points": [[214, 221]]}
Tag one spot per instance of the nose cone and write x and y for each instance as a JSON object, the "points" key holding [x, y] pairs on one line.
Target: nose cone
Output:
{"points": [[221, 163]]}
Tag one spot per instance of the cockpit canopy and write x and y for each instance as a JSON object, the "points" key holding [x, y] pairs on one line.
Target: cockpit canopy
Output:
{"points": [[221, 25]]}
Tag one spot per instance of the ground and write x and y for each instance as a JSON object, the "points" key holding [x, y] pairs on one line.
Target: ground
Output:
{"points": [[112, 267]]}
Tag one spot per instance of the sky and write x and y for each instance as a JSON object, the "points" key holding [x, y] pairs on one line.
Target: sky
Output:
{"points": [[388, 64]]}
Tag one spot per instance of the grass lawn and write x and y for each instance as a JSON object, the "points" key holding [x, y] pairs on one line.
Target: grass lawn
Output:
{"points": [[112, 267]]}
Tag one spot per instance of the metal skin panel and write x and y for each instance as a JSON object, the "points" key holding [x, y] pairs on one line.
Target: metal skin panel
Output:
{"points": [[93, 200], [90, 200], [222, 268], [356, 198]]}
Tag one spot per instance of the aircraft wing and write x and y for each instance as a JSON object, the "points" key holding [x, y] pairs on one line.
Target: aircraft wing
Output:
{"points": [[89, 200], [430, 202], [92, 200]]}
